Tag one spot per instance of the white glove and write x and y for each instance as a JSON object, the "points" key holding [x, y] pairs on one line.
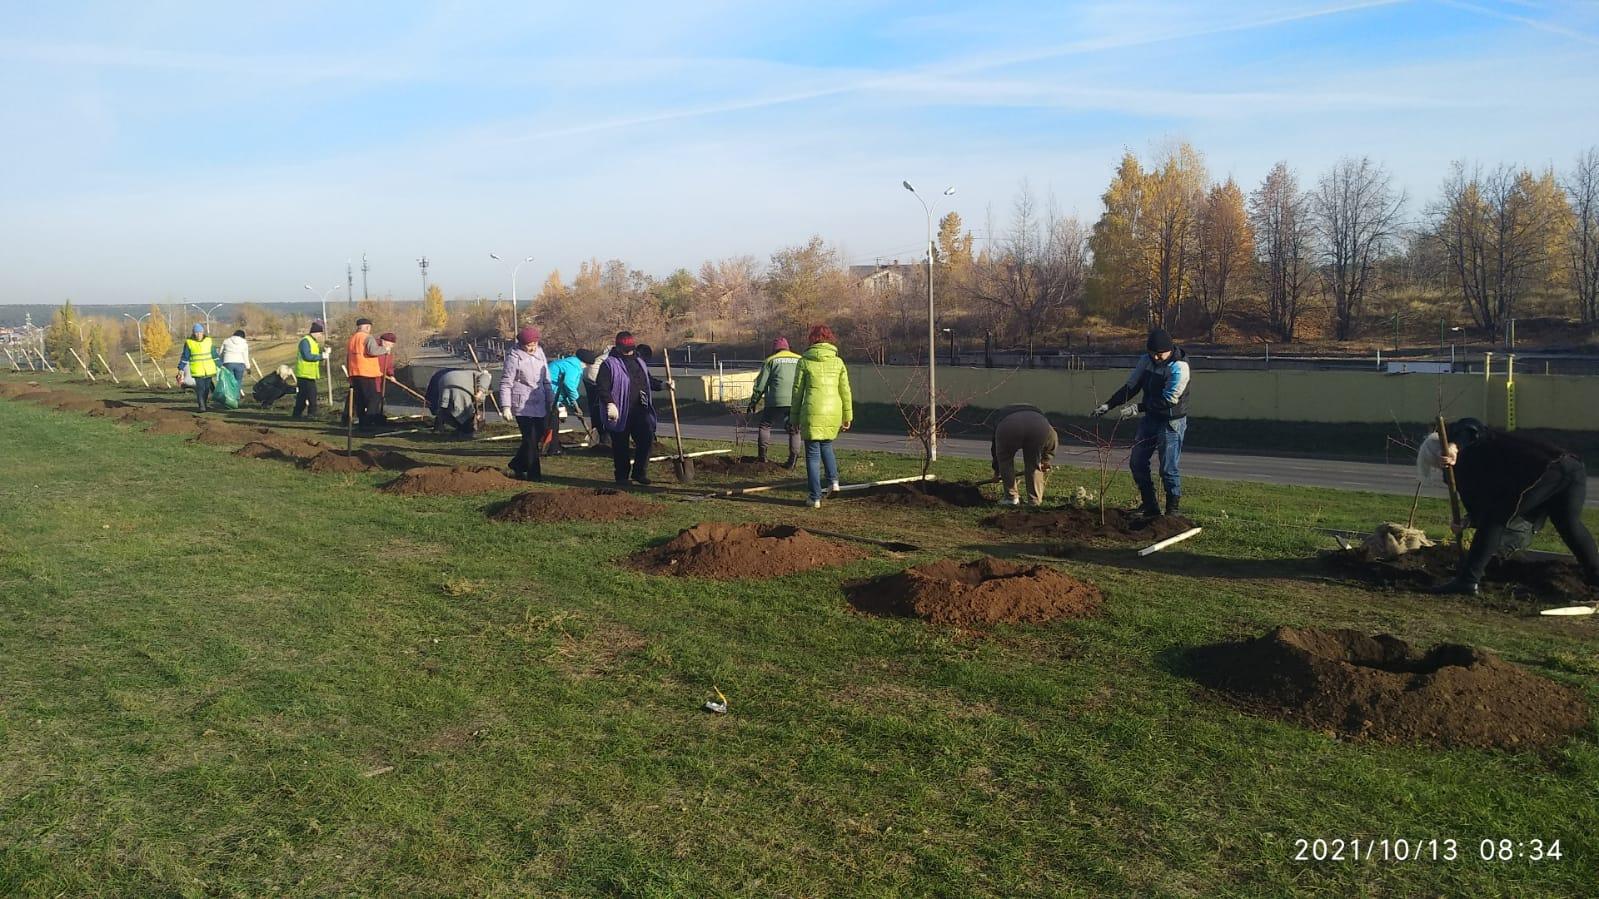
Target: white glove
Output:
{"points": [[507, 414], [560, 412], [1129, 411], [1100, 410], [612, 414], [325, 356]]}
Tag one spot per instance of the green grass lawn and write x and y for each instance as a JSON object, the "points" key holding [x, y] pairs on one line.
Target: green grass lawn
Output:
{"points": [[204, 657]]}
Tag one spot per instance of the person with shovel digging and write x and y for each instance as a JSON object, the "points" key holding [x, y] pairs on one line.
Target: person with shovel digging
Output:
{"points": [[1163, 377], [525, 398], [1510, 485], [822, 406], [775, 386], [1023, 428], [623, 390]]}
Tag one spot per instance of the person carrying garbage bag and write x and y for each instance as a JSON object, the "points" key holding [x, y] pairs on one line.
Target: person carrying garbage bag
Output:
{"points": [[775, 387]]}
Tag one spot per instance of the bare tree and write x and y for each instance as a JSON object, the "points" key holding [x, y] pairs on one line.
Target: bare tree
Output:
{"points": [[1036, 273], [1355, 212], [1582, 243], [1501, 234], [1278, 211]]}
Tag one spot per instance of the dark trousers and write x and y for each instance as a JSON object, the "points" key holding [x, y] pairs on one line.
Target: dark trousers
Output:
{"points": [[367, 409], [763, 436], [597, 418], [633, 460], [202, 392], [526, 461], [305, 397], [1557, 496]]}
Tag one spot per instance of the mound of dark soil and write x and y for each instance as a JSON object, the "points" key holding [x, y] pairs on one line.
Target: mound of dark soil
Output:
{"points": [[439, 480], [1380, 688], [38, 395], [66, 401], [1078, 525], [213, 432], [170, 423], [1551, 580], [738, 466], [338, 461], [109, 409], [978, 593], [574, 504], [280, 448], [924, 494], [728, 551]]}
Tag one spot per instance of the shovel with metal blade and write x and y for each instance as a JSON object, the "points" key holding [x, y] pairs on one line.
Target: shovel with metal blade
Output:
{"points": [[682, 466]]}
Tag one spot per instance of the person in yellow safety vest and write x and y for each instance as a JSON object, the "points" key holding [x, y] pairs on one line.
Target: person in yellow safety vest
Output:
{"points": [[307, 369], [201, 358]]}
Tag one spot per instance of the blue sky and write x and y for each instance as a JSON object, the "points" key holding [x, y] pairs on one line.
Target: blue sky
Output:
{"points": [[234, 151]]}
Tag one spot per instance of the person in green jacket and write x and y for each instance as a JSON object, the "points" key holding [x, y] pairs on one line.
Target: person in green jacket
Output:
{"points": [[775, 385], [821, 407]]}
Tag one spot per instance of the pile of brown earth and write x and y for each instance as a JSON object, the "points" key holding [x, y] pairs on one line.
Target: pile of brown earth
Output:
{"points": [[728, 551], [924, 494], [982, 592], [574, 504], [745, 466], [111, 409], [338, 461], [280, 448], [67, 401], [1379, 688], [439, 480], [1082, 525], [216, 432], [1520, 578]]}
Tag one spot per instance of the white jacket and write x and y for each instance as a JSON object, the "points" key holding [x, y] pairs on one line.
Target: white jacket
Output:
{"points": [[234, 349]]}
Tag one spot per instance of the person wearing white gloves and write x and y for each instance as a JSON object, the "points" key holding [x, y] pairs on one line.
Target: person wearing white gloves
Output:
{"points": [[623, 392], [1163, 377], [526, 398]]}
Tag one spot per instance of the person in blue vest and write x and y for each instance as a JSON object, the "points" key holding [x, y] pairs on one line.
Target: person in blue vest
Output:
{"points": [[623, 389], [1163, 378], [201, 359]]}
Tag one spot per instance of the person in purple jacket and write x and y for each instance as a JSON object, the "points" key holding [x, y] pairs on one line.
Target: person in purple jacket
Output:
{"points": [[526, 397], [623, 392]]}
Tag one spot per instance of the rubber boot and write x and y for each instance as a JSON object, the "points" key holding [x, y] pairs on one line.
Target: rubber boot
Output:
{"points": [[1173, 503], [1151, 506]]}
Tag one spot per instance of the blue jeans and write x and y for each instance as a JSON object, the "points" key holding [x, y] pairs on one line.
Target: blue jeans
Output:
{"points": [[1157, 435], [238, 371], [817, 454]]}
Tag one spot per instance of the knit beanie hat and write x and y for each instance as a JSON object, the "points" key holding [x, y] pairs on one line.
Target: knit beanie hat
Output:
{"points": [[780, 343], [1159, 341]]}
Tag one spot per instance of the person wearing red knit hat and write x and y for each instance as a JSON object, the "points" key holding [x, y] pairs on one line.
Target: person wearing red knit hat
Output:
{"points": [[526, 398]]}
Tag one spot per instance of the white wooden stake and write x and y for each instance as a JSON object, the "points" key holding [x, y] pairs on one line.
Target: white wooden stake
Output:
{"points": [[1157, 547], [82, 363], [136, 368], [114, 378]]}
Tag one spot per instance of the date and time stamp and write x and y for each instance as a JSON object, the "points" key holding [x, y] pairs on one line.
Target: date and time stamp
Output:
{"points": [[1332, 850]]}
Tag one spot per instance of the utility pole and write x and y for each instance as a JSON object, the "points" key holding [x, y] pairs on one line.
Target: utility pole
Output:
{"points": [[423, 264], [364, 294], [349, 279]]}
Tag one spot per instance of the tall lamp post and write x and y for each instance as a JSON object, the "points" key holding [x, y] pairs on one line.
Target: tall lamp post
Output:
{"points": [[514, 269], [932, 337], [325, 295], [138, 327], [207, 313]]}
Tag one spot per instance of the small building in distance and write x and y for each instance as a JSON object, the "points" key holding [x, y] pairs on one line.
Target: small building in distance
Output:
{"points": [[882, 277]]}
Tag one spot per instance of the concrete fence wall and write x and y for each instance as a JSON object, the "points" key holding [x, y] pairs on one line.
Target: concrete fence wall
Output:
{"points": [[1561, 402]]}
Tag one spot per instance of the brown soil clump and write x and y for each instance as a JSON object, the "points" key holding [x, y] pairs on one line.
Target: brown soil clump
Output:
{"points": [[742, 466], [221, 433], [329, 460], [1380, 688], [439, 480], [110, 409], [729, 551], [37, 395], [574, 504], [280, 448], [1548, 580], [171, 423], [1082, 525], [71, 402], [924, 495], [979, 593]]}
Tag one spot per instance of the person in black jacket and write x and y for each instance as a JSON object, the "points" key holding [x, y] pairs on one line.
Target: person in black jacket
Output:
{"points": [[1510, 485], [1163, 377], [623, 390]]}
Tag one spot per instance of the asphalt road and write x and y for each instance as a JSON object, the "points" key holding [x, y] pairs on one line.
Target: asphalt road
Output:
{"points": [[1374, 477]]}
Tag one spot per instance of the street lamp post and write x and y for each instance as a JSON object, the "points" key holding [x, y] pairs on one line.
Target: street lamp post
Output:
{"points": [[514, 269], [138, 326], [932, 341], [207, 313], [325, 295], [951, 333]]}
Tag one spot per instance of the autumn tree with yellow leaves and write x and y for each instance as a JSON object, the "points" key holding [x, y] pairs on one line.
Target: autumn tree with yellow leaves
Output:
{"points": [[1146, 242], [1225, 253]]}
